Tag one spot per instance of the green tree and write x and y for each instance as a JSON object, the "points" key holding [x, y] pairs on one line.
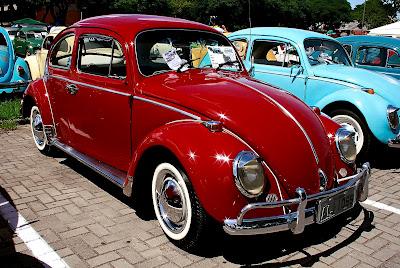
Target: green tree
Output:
{"points": [[377, 13]]}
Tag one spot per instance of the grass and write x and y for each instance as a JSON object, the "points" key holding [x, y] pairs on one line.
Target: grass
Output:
{"points": [[9, 114]]}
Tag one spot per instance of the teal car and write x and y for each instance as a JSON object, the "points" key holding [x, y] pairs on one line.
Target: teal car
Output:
{"points": [[375, 53], [28, 40], [317, 69], [14, 71]]}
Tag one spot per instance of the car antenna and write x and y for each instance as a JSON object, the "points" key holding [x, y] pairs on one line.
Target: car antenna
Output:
{"points": [[251, 57]]}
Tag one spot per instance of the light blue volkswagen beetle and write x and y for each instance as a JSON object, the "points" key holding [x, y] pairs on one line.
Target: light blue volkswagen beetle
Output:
{"points": [[375, 53], [14, 71], [317, 69]]}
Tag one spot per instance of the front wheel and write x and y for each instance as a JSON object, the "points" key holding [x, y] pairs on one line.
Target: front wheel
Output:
{"points": [[38, 133], [177, 207], [351, 120]]}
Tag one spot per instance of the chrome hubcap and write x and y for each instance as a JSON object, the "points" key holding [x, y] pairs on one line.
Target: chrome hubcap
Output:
{"points": [[37, 127], [171, 202]]}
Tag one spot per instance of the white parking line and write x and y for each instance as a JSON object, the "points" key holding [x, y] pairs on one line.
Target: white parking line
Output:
{"points": [[35, 243], [381, 206]]}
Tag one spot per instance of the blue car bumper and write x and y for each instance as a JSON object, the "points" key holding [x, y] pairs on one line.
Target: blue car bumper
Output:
{"points": [[13, 87]]}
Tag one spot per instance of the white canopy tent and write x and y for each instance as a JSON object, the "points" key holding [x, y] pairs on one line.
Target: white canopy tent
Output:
{"points": [[390, 30]]}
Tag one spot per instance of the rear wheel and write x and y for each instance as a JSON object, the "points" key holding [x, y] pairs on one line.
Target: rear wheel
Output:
{"points": [[177, 207], [38, 133], [349, 119]]}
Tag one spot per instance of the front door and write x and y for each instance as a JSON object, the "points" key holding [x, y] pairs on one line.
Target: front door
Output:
{"points": [[100, 120], [56, 81], [278, 63]]}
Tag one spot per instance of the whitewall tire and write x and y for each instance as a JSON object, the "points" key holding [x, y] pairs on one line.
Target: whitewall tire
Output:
{"points": [[37, 129]]}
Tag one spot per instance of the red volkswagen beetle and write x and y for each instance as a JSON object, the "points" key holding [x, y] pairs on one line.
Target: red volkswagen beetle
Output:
{"points": [[164, 108]]}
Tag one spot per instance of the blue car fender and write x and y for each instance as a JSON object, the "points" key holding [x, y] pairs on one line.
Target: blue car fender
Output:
{"points": [[372, 106], [17, 76]]}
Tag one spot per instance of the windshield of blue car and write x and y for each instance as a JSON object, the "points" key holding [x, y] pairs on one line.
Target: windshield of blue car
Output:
{"points": [[179, 50], [324, 51]]}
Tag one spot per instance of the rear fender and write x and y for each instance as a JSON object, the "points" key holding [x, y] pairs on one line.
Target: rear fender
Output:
{"points": [[207, 158], [36, 94]]}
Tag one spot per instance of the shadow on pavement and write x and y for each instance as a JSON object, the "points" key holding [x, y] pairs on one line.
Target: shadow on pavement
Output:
{"points": [[385, 158], [8, 255], [251, 250]]}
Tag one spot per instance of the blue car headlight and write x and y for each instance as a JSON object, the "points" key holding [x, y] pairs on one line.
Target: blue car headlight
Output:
{"points": [[393, 117]]}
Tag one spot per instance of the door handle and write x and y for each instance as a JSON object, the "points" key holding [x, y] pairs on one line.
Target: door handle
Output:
{"points": [[72, 89]]}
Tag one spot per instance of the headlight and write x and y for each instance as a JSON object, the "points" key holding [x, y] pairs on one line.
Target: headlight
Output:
{"points": [[393, 117], [346, 145], [249, 174]]}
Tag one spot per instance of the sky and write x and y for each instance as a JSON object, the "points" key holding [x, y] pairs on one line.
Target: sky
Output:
{"points": [[355, 2]]}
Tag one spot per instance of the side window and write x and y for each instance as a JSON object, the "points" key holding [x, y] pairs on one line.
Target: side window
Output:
{"points": [[348, 49], [101, 55], [275, 53], [62, 52], [372, 56], [241, 47], [393, 59], [269, 53]]}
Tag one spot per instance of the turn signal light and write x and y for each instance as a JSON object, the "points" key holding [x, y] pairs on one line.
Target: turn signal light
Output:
{"points": [[369, 91]]}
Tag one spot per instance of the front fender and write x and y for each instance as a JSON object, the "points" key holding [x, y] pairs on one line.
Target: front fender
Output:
{"points": [[372, 106], [207, 158]]}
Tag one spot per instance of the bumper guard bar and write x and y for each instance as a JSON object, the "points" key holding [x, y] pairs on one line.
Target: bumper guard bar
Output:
{"points": [[295, 221]]}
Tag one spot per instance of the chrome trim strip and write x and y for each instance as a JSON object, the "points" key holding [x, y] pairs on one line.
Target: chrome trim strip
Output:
{"points": [[279, 73], [89, 85], [112, 174], [334, 81], [167, 106], [394, 143], [295, 221], [285, 111]]}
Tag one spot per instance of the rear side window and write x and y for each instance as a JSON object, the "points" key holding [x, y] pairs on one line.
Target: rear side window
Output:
{"points": [[62, 52], [275, 53], [372, 56], [101, 55]]}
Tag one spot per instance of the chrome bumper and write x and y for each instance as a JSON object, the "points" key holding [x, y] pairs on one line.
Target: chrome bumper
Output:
{"points": [[395, 143], [295, 221]]}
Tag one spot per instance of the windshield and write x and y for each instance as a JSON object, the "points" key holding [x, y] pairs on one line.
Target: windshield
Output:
{"points": [[35, 35], [165, 50], [322, 51]]}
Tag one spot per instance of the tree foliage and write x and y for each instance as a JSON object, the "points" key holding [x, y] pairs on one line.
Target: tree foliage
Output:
{"points": [[234, 14], [377, 12]]}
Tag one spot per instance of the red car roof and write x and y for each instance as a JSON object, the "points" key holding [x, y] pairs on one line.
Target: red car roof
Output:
{"points": [[133, 23]]}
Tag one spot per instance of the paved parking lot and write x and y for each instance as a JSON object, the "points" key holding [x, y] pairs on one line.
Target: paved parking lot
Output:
{"points": [[73, 217]]}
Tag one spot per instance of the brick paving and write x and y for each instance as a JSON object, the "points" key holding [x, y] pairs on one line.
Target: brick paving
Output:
{"points": [[89, 222]]}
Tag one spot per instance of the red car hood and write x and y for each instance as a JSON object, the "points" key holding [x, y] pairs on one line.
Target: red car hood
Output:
{"points": [[283, 130]]}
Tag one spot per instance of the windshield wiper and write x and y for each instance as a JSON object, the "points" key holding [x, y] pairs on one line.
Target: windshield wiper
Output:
{"points": [[229, 62], [184, 63]]}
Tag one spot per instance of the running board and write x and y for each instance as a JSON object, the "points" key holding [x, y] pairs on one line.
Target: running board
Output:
{"points": [[114, 175]]}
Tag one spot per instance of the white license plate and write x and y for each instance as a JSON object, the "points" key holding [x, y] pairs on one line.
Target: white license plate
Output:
{"points": [[335, 205]]}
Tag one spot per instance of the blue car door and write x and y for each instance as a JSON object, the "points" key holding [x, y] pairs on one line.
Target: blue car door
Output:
{"points": [[278, 63]]}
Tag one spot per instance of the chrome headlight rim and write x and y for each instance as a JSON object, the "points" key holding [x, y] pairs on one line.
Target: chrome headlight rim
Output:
{"points": [[338, 137], [389, 111], [239, 163]]}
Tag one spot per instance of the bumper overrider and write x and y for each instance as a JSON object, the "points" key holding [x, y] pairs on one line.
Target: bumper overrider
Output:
{"points": [[394, 143], [297, 220]]}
